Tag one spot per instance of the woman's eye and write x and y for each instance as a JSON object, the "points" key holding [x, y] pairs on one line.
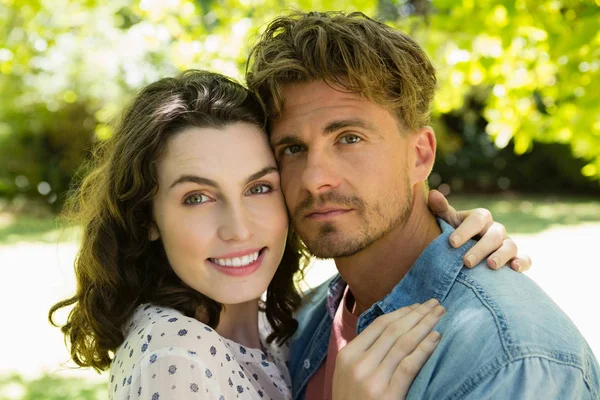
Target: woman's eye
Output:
{"points": [[260, 189], [350, 139], [293, 149], [197, 198]]}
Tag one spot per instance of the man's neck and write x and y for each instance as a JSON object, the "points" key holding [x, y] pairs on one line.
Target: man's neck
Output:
{"points": [[239, 322], [375, 271]]}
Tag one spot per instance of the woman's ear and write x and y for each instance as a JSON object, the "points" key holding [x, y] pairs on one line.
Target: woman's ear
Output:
{"points": [[153, 232]]}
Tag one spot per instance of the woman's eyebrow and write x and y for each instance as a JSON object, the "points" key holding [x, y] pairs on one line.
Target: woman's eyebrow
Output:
{"points": [[209, 182], [257, 175], [194, 179]]}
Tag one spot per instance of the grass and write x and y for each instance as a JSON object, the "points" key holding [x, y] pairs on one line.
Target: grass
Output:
{"points": [[23, 228], [50, 387], [533, 214]]}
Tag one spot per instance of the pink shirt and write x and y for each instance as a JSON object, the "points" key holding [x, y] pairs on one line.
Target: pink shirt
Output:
{"points": [[342, 332]]}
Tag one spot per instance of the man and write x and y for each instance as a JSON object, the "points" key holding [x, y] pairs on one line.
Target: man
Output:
{"points": [[349, 100]]}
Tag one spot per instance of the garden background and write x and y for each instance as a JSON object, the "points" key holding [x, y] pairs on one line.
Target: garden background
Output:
{"points": [[516, 116]]}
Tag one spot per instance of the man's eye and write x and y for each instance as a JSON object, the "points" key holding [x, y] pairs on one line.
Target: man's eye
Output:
{"points": [[350, 139], [260, 189], [293, 149], [196, 198]]}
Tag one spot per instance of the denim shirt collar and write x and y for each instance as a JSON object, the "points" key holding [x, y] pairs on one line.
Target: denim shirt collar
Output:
{"points": [[431, 276], [335, 294]]}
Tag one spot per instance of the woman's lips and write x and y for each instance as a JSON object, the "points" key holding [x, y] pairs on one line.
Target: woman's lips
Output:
{"points": [[242, 270]]}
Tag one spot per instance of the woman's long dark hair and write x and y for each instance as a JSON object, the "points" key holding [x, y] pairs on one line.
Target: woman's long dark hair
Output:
{"points": [[118, 267]]}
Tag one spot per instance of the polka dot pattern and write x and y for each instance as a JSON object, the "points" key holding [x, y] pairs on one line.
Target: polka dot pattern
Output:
{"points": [[166, 355]]}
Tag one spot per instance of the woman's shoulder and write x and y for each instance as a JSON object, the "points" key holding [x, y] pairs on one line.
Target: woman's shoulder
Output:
{"points": [[167, 352], [156, 331], [162, 327]]}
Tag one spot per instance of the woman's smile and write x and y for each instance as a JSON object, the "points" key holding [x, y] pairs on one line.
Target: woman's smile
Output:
{"points": [[239, 266]]}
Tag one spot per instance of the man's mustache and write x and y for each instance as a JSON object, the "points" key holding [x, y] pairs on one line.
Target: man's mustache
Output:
{"points": [[329, 198]]}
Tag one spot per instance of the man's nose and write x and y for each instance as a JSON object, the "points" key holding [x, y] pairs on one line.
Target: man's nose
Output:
{"points": [[320, 172]]}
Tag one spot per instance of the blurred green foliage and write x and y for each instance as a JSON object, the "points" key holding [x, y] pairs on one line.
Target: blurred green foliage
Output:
{"points": [[513, 74], [49, 387]]}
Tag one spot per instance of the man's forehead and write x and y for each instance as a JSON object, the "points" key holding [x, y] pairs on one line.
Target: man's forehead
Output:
{"points": [[319, 113], [297, 94], [311, 103]]}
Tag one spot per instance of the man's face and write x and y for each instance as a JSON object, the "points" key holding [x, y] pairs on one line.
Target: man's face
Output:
{"points": [[345, 168]]}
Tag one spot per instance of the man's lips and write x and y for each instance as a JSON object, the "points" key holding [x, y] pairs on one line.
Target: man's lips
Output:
{"points": [[324, 213]]}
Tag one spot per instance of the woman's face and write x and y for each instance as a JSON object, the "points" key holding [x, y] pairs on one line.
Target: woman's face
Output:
{"points": [[219, 211]]}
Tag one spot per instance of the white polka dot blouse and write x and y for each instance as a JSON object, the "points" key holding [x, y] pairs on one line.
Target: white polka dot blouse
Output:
{"points": [[167, 355]]}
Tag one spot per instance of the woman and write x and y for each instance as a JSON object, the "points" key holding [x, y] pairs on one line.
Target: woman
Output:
{"points": [[185, 228]]}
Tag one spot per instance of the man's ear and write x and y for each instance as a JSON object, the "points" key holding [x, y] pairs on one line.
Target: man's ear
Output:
{"points": [[153, 232], [424, 147]]}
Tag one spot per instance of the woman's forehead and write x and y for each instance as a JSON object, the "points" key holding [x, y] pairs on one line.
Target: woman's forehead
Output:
{"points": [[233, 150]]}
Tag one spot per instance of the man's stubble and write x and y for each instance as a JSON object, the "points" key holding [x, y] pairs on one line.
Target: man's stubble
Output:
{"points": [[376, 221]]}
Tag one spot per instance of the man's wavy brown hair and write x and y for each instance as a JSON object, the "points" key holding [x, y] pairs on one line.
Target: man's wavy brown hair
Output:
{"points": [[118, 267], [363, 56]]}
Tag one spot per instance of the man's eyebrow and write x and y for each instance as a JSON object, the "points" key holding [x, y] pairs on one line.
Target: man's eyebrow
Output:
{"points": [[261, 173], [194, 179], [335, 126], [332, 127], [290, 139]]}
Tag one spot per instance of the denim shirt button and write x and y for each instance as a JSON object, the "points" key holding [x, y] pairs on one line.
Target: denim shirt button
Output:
{"points": [[306, 364]]}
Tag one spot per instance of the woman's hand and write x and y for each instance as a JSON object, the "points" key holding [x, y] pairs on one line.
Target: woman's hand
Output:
{"points": [[385, 358], [494, 243]]}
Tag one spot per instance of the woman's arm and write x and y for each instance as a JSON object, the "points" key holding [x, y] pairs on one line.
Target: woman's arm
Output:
{"points": [[493, 243]]}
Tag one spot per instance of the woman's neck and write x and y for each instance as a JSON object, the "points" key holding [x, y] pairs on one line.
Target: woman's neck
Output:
{"points": [[239, 322]]}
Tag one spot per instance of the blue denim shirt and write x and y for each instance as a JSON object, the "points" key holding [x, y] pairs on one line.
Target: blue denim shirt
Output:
{"points": [[502, 336]]}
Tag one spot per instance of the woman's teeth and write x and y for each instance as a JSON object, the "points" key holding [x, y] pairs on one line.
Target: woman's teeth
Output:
{"points": [[236, 261]]}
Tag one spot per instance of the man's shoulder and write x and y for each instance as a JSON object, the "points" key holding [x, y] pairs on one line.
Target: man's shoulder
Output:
{"points": [[518, 316], [513, 306], [498, 320]]}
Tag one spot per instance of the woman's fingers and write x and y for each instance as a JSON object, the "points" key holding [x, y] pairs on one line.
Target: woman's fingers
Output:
{"points": [[491, 241], [475, 222], [366, 338], [439, 205], [503, 255], [520, 263], [411, 365], [407, 343], [366, 366], [401, 334], [502, 251]]}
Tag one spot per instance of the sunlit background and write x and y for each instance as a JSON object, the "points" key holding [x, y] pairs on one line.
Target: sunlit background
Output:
{"points": [[516, 116]]}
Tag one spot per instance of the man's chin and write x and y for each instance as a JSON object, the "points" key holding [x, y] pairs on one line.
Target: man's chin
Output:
{"points": [[333, 246]]}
